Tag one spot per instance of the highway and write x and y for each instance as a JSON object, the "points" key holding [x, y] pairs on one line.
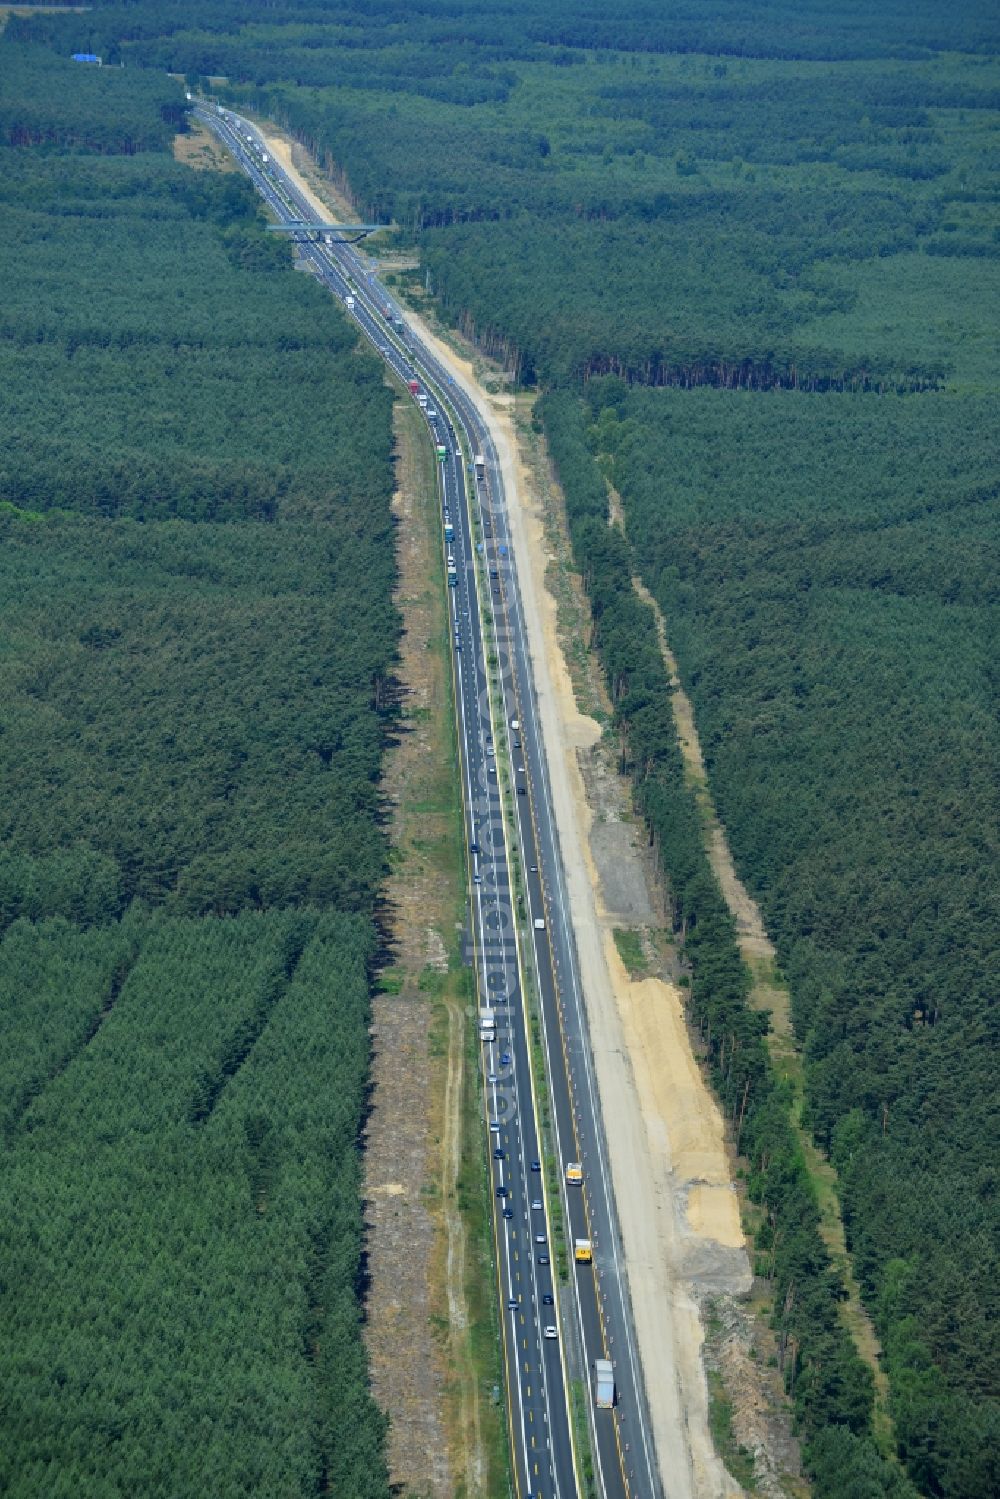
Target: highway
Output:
{"points": [[520, 926]]}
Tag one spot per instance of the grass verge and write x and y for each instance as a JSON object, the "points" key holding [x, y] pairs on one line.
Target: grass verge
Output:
{"points": [[630, 950], [579, 1396]]}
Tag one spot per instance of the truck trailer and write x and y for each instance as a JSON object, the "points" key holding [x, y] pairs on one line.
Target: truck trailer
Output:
{"points": [[604, 1384]]}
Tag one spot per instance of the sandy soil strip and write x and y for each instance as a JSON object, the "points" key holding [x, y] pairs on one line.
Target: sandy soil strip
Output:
{"points": [[281, 149]]}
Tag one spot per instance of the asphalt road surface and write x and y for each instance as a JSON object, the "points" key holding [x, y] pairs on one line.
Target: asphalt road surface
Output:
{"points": [[553, 1328]]}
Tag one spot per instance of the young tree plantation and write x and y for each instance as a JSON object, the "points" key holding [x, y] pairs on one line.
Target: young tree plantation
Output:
{"points": [[198, 642]]}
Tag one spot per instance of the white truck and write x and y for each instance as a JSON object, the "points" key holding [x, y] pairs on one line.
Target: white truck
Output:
{"points": [[479, 463], [604, 1384], [487, 1025]]}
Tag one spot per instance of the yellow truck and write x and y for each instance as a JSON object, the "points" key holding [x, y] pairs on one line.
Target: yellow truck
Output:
{"points": [[583, 1251], [574, 1174]]}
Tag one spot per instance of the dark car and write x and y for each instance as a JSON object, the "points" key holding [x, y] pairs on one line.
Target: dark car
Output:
{"points": [[503, 1192], [536, 1165], [508, 1212], [498, 1154], [543, 1259], [548, 1299]]}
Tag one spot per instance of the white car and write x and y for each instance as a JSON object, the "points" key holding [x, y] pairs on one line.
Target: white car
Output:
{"points": [[550, 1332], [536, 1206]]}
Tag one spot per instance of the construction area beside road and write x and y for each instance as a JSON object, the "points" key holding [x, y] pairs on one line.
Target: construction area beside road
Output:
{"points": [[668, 1139], [677, 1204]]}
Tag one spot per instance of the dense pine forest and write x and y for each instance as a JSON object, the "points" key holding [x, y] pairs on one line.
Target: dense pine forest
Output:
{"points": [[828, 570], [196, 689], [752, 254]]}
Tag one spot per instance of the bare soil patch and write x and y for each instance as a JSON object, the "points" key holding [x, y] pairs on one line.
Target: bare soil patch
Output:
{"points": [[200, 149], [36, 10], [401, 1149], [400, 1245], [739, 1347]]}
